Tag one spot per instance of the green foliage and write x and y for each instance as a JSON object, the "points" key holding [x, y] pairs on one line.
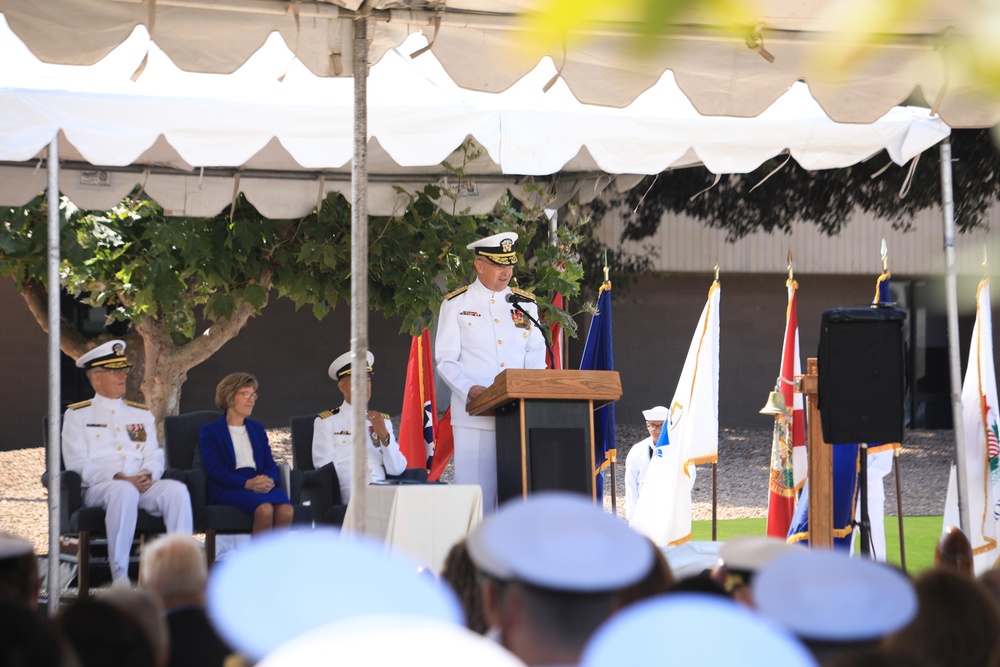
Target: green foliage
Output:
{"points": [[179, 271], [825, 198]]}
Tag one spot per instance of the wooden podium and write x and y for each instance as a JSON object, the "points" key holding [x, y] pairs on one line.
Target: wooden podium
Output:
{"points": [[545, 427]]}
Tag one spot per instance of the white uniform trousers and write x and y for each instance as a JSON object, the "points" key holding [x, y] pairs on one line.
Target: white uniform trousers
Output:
{"points": [[476, 462], [121, 501]]}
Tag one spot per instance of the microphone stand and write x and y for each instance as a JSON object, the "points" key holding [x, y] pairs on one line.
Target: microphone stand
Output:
{"points": [[548, 348]]}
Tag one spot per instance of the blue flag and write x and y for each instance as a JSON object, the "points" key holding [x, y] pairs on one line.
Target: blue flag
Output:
{"points": [[598, 355], [845, 487]]}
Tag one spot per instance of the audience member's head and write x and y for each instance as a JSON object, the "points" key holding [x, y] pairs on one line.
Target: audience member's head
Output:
{"points": [[690, 629], [173, 567], [832, 602], [954, 552], [957, 622], [702, 583], [27, 639], [145, 608], [552, 566], [742, 557], [19, 581], [659, 580], [990, 579], [103, 636], [461, 574]]}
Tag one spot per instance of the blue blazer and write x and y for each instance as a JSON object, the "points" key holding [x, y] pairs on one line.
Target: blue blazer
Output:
{"points": [[219, 457]]}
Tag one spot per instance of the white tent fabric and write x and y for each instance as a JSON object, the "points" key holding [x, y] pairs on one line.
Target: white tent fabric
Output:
{"points": [[290, 141], [485, 45]]}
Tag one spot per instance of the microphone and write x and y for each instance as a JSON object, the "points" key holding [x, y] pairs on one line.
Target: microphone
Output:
{"points": [[517, 298]]}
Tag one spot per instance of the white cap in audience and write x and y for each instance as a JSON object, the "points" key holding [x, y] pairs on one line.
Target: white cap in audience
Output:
{"points": [[560, 541], [752, 552], [692, 629], [285, 584], [829, 596], [657, 414], [391, 639], [12, 546]]}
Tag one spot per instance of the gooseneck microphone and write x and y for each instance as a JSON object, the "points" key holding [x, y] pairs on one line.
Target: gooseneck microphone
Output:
{"points": [[516, 300]]}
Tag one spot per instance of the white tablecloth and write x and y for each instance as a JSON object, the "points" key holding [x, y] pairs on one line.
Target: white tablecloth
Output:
{"points": [[422, 521]]}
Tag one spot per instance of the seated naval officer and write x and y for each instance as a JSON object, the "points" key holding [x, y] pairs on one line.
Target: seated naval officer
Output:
{"points": [[332, 434], [112, 444], [552, 565]]}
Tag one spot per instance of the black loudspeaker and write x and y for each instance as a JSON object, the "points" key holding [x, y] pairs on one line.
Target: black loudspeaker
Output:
{"points": [[862, 375]]}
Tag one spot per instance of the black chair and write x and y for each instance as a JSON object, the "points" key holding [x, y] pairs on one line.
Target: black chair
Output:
{"points": [[320, 488], [86, 524], [181, 434]]}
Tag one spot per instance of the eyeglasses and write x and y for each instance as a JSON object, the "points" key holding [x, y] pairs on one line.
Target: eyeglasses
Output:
{"points": [[249, 395], [656, 426], [113, 371]]}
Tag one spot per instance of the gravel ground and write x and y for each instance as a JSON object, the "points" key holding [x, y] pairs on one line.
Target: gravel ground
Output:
{"points": [[744, 459]]}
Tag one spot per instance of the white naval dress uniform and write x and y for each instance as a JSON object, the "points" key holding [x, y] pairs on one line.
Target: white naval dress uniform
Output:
{"points": [[103, 437], [636, 465], [332, 443], [478, 337]]}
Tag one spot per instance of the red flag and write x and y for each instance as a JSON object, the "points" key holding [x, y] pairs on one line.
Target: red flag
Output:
{"points": [[418, 425], [788, 457], [445, 447], [557, 337]]}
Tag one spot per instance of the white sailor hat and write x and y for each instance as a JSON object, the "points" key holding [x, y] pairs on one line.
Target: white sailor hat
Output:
{"points": [[311, 578], [750, 553], [657, 414], [498, 248], [560, 541], [12, 546], [351, 641], [830, 597], [341, 366], [108, 355], [693, 629]]}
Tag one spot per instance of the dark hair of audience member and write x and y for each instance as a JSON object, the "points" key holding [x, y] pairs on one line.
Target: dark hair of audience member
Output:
{"points": [[957, 622], [875, 657], [28, 640], [19, 580], [102, 636], [700, 583], [659, 580], [461, 574]]}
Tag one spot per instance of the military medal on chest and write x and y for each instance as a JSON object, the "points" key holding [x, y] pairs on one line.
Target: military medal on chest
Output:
{"points": [[520, 321], [136, 432]]}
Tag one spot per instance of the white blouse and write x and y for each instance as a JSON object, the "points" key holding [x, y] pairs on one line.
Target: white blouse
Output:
{"points": [[242, 447]]}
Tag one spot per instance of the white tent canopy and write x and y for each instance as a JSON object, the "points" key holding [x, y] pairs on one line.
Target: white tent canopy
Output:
{"points": [[290, 142], [476, 40]]}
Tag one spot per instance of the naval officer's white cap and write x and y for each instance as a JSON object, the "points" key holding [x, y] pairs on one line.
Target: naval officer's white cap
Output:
{"points": [[498, 248], [692, 629], [560, 541], [286, 583], [828, 596], [107, 355], [657, 414], [750, 553], [341, 366]]}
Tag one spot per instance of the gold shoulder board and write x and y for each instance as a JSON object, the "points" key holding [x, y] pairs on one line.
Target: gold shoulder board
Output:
{"points": [[328, 413], [520, 292], [452, 295], [141, 406], [77, 406]]}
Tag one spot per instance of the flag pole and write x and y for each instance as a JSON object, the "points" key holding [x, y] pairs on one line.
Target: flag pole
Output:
{"points": [[614, 453], [899, 512], [715, 463]]}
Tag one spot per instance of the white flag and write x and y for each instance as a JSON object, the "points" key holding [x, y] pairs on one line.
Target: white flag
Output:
{"points": [[663, 511], [982, 441]]}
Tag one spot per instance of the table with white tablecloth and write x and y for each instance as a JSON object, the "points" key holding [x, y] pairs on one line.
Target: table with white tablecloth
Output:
{"points": [[421, 521]]}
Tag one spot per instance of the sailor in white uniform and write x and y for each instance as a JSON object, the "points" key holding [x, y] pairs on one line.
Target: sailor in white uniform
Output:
{"points": [[332, 434], [637, 460], [112, 444], [480, 334]]}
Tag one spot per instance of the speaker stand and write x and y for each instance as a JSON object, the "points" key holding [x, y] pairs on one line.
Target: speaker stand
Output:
{"points": [[865, 523]]}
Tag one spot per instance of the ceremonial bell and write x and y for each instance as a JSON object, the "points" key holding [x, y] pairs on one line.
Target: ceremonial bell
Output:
{"points": [[776, 403]]}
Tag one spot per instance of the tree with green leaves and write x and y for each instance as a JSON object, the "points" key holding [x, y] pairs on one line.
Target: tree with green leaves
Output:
{"points": [[742, 204], [186, 286]]}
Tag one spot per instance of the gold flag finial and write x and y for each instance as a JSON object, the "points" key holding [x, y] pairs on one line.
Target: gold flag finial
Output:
{"points": [[716, 268], [986, 263], [885, 256], [791, 275]]}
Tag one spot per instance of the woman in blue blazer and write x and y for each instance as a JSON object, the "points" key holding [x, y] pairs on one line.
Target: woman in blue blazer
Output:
{"points": [[237, 457]]}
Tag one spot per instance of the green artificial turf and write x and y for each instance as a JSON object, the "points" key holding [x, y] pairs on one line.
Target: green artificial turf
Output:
{"points": [[921, 534]]}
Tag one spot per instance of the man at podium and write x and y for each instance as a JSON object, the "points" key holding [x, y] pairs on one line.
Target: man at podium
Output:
{"points": [[480, 334]]}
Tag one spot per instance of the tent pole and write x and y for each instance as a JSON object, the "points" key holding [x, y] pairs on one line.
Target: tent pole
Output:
{"points": [[52, 457], [359, 279], [954, 366]]}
